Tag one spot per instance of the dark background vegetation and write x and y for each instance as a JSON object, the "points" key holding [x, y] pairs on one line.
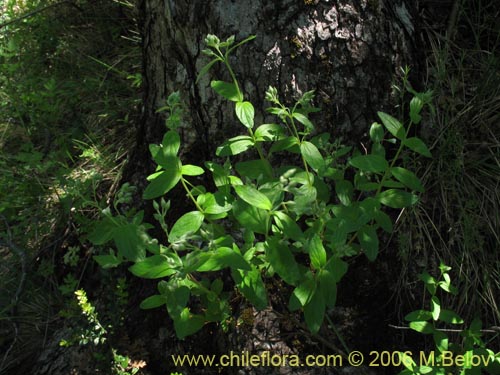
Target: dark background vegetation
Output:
{"points": [[70, 101]]}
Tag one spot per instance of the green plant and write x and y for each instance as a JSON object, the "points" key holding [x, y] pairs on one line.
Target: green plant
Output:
{"points": [[297, 220], [95, 333], [470, 356], [121, 365]]}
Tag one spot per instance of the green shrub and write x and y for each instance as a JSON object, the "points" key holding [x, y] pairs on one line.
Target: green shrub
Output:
{"points": [[296, 208], [470, 356]]}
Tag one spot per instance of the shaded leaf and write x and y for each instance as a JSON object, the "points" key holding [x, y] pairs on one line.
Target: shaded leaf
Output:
{"points": [[282, 260], [191, 170], [392, 125], [254, 197], [153, 302], [155, 267], [312, 155], [227, 90], [245, 113], [250, 284], [369, 241], [417, 145], [164, 181], [369, 163], [187, 224], [317, 252], [250, 217], [235, 146], [397, 198], [314, 312]]}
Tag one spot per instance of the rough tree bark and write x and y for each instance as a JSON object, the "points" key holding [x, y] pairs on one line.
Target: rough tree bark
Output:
{"points": [[348, 51]]}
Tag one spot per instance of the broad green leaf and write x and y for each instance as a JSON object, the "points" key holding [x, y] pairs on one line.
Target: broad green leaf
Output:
{"points": [[220, 176], [344, 190], [187, 224], [407, 362], [254, 169], [129, 241], [353, 216], [314, 312], [303, 198], [274, 191], [317, 252], [164, 181], [215, 204], [194, 260], [393, 125], [397, 198], [435, 307], [430, 282], [441, 340], [369, 241], [407, 178], [102, 232], [337, 267], [304, 291], [227, 90], [153, 302], [312, 155], [107, 261], [171, 143], [284, 144], [416, 105], [245, 113], [254, 197], [268, 132], [376, 132], [369, 163], [224, 257], [288, 226], [155, 267], [418, 315], [250, 284], [206, 68], [251, 217], [303, 120], [417, 145], [449, 316], [422, 327], [328, 287], [235, 146], [188, 323], [177, 296], [282, 260], [191, 170], [383, 220]]}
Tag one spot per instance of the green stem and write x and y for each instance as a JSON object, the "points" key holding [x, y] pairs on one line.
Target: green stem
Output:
{"points": [[183, 181], [396, 157], [339, 336]]}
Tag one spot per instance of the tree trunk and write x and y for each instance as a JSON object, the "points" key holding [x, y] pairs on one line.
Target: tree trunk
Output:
{"points": [[349, 52]]}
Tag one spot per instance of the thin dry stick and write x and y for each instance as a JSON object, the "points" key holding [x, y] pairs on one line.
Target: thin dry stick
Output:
{"points": [[492, 329]]}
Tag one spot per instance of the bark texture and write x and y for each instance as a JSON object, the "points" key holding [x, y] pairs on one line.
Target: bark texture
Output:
{"points": [[348, 51]]}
